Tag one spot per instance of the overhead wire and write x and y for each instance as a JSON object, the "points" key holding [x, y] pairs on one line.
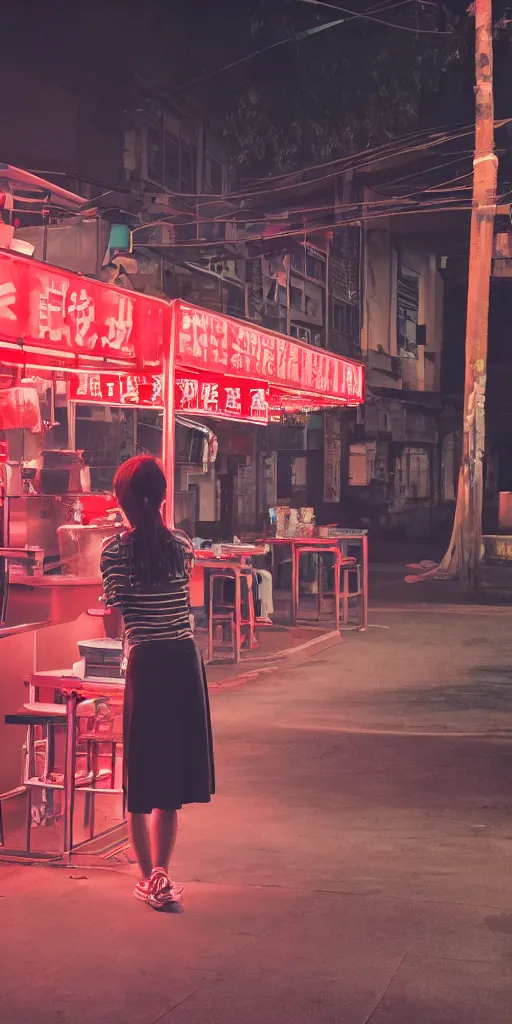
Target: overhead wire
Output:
{"points": [[379, 21], [394, 147], [296, 37], [355, 162], [338, 207], [304, 232], [434, 205]]}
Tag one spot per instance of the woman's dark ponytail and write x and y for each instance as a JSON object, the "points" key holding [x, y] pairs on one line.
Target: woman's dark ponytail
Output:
{"points": [[155, 554]]}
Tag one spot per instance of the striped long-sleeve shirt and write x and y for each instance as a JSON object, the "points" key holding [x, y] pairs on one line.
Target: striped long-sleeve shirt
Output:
{"points": [[161, 614]]}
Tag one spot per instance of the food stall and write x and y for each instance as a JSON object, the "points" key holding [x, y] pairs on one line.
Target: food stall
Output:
{"points": [[58, 330], [90, 375]]}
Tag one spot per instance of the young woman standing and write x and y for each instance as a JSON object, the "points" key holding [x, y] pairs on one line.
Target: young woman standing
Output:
{"points": [[168, 751]]}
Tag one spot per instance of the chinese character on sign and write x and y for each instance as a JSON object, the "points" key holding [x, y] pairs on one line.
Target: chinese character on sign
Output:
{"points": [[233, 400], [292, 365], [110, 388], [132, 390], [157, 390], [200, 345], [52, 312], [259, 405], [95, 386], [283, 350], [120, 327], [82, 385], [189, 392], [351, 381], [7, 299], [241, 356], [218, 344], [268, 356], [210, 397], [322, 374], [80, 310]]}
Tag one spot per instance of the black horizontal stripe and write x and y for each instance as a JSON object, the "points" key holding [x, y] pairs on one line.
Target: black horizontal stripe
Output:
{"points": [[148, 616]]}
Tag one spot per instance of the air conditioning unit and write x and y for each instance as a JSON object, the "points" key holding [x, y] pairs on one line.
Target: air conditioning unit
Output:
{"points": [[301, 333]]}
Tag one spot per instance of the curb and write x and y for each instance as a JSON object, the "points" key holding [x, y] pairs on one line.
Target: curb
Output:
{"points": [[456, 609], [295, 655], [418, 733]]}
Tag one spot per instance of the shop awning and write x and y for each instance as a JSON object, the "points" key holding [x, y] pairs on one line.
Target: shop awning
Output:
{"points": [[294, 375], [53, 318]]}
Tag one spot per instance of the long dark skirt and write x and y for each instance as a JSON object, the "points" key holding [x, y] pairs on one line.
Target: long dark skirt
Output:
{"points": [[168, 749]]}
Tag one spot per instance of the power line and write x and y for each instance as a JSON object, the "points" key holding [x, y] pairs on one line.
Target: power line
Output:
{"points": [[297, 37], [305, 231], [379, 21], [393, 207], [301, 211], [394, 148]]}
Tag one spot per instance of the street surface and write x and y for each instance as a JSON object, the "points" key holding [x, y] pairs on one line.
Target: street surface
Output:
{"points": [[353, 869]]}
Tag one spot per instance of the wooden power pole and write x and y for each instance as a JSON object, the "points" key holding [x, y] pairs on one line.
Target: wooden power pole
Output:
{"points": [[463, 557]]}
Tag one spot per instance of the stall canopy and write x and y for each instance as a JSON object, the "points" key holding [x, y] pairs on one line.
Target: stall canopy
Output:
{"points": [[113, 343], [227, 367], [52, 318]]}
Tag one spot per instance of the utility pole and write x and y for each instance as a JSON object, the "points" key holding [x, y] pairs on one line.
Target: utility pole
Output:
{"points": [[463, 557]]}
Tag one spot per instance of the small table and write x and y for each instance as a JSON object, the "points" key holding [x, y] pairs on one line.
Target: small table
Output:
{"points": [[342, 538]]}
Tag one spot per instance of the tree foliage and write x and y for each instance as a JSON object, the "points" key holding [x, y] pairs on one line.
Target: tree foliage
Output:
{"points": [[313, 98]]}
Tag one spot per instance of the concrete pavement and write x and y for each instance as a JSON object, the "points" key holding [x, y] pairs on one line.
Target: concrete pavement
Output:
{"points": [[353, 869]]}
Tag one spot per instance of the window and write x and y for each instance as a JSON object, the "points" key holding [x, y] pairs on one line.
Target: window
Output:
{"points": [[418, 473], [315, 265], [302, 333], [179, 164], [106, 436], [312, 307], [296, 298], [344, 318], [408, 298], [154, 153], [215, 176], [172, 162], [298, 260], [233, 299], [187, 169]]}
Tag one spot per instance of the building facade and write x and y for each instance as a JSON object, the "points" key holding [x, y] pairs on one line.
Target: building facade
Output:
{"points": [[170, 221]]}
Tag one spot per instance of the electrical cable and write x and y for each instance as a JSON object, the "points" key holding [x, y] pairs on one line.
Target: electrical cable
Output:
{"points": [[335, 207], [298, 37], [366, 159], [435, 206], [379, 21]]}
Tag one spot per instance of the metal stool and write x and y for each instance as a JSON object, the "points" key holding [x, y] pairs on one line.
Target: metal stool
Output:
{"points": [[230, 613], [327, 549], [348, 595], [348, 567], [61, 787]]}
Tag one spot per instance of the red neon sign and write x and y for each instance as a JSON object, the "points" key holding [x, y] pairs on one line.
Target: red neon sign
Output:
{"points": [[209, 340], [206, 394], [65, 313], [117, 389], [221, 397]]}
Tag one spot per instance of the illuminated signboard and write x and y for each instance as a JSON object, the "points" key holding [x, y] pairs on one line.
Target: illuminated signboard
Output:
{"points": [[66, 313], [209, 394], [209, 340], [117, 389], [215, 395]]}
